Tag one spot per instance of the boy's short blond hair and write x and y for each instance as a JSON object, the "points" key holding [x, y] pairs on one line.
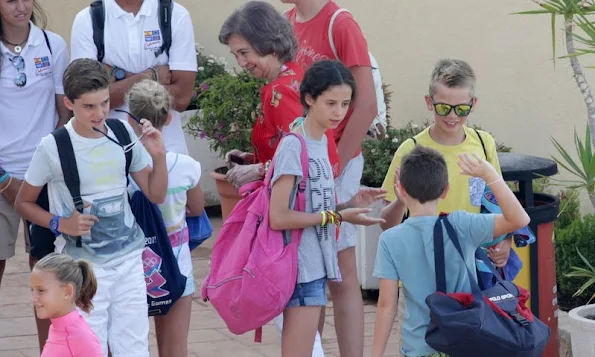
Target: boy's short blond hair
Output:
{"points": [[453, 73]]}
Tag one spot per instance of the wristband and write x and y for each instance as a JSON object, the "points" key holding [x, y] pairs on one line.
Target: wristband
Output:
{"points": [[4, 177], [323, 213], [155, 76], [340, 218], [7, 185], [498, 180], [2, 172], [112, 71]]}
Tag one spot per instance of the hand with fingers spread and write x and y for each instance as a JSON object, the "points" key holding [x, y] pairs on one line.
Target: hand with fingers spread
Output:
{"points": [[78, 224], [152, 139], [358, 216], [475, 166], [365, 197]]}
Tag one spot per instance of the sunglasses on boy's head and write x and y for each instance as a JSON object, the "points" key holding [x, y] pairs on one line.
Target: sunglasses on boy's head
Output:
{"points": [[444, 109], [134, 117]]}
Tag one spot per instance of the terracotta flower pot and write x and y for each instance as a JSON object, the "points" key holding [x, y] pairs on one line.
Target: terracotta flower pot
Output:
{"points": [[229, 194]]}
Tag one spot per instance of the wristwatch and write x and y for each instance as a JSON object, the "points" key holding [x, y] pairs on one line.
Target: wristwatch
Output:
{"points": [[55, 225], [119, 74]]}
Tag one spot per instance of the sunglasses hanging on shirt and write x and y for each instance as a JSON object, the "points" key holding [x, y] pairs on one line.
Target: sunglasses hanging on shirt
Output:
{"points": [[19, 63]]}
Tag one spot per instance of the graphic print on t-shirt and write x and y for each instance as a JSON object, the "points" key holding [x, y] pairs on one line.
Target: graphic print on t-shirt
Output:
{"points": [[321, 185], [110, 233], [307, 55]]}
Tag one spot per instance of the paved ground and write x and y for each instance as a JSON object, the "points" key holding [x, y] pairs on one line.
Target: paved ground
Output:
{"points": [[208, 335]]}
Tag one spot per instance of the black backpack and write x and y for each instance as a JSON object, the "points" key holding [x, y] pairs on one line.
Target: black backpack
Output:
{"points": [[42, 239], [97, 10]]}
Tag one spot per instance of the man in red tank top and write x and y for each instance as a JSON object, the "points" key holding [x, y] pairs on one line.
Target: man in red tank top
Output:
{"points": [[311, 20]]}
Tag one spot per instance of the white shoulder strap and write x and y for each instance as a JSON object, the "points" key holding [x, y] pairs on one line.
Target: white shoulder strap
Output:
{"points": [[330, 31]]}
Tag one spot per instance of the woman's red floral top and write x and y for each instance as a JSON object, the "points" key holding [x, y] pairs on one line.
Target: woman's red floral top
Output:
{"points": [[279, 106]]}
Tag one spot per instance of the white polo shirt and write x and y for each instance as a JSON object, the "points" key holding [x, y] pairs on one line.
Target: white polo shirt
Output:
{"points": [[29, 113], [130, 42]]}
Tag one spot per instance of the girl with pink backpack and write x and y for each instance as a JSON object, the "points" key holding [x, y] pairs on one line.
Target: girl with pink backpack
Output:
{"points": [[326, 93]]}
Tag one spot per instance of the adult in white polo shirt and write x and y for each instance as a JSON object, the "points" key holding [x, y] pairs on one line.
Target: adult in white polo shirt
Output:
{"points": [[32, 62], [132, 36]]}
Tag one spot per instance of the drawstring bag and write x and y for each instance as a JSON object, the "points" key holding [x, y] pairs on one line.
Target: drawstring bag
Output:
{"points": [[199, 229], [165, 283]]}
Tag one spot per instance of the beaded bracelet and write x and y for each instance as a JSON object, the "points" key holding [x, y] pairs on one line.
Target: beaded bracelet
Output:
{"points": [[4, 177], [331, 217]]}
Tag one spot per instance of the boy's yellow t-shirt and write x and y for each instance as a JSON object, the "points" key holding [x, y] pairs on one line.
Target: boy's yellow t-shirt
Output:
{"points": [[465, 192]]}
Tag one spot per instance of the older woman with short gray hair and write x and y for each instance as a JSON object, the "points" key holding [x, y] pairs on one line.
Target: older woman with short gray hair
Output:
{"points": [[263, 43]]}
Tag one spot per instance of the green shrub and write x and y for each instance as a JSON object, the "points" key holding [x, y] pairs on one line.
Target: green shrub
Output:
{"points": [[378, 154], [570, 208], [579, 234]]}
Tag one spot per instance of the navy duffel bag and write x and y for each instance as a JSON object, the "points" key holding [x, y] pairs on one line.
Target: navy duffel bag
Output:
{"points": [[492, 323]]}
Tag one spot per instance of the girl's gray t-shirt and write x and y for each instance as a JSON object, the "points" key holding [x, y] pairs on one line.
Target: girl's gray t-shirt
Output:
{"points": [[317, 251]]}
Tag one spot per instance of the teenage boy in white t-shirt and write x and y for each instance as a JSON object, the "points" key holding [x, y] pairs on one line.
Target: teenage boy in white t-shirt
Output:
{"points": [[111, 239], [132, 41]]}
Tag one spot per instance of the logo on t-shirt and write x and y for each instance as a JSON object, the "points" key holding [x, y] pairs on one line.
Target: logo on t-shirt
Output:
{"points": [[152, 40], [42, 66]]}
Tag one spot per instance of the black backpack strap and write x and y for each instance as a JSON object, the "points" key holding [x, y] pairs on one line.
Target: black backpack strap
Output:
{"points": [[482, 144], [47, 41], [69, 169], [123, 137], [165, 15], [97, 10]]}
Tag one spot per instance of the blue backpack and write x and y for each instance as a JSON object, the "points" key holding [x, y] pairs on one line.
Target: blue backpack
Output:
{"points": [[165, 283], [495, 321]]}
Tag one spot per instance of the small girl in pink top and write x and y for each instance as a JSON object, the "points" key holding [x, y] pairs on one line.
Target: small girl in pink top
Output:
{"points": [[58, 285]]}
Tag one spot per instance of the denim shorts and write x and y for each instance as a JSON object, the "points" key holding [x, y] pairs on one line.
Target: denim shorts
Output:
{"points": [[309, 294]]}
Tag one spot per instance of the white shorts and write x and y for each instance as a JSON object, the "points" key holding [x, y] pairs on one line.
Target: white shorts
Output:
{"points": [[120, 315], [346, 186]]}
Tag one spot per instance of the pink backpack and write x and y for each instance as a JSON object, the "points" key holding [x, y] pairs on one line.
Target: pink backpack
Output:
{"points": [[253, 271]]}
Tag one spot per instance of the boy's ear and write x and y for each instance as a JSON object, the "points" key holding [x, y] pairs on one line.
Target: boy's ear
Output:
{"points": [[473, 102], [429, 103], [68, 103], [401, 193], [445, 192]]}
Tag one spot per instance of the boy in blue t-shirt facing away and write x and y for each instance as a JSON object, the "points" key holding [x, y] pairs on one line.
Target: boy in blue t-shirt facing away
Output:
{"points": [[406, 251]]}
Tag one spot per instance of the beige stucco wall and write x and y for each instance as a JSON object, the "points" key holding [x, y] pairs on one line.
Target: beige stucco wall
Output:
{"points": [[523, 98]]}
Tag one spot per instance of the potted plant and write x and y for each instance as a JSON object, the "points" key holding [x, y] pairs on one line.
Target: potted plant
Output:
{"points": [[209, 66], [583, 317], [228, 105]]}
